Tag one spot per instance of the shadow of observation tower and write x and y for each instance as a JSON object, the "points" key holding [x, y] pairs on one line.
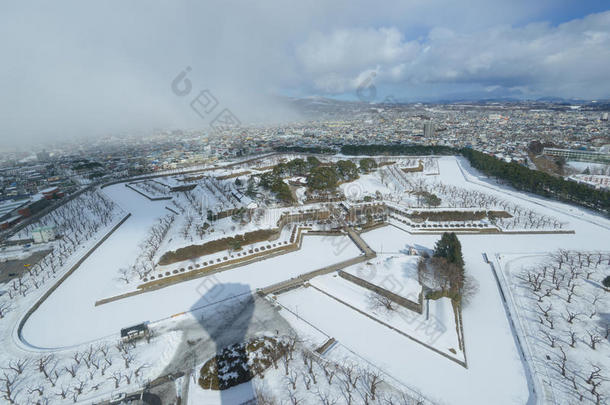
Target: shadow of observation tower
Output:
{"points": [[225, 312]]}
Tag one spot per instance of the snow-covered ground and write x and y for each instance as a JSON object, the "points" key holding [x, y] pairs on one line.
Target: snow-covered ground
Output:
{"points": [[496, 371], [561, 309], [435, 327], [396, 273], [54, 325]]}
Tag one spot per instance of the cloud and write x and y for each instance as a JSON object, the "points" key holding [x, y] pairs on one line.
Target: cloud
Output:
{"points": [[569, 60]]}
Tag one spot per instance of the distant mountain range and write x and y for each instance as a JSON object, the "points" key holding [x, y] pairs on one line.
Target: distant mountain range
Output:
{"points": [[318, 104]]}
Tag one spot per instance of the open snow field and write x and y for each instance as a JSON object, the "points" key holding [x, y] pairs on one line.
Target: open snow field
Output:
{"points": [[438, 331], [396, 273]]}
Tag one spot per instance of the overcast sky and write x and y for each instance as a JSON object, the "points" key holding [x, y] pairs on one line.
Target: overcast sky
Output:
{"points": [[78, 68]]}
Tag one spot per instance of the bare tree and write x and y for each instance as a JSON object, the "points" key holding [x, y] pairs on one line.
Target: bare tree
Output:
{"points": [[104, 366], [378, 301], [572, 379], [286, 364], [351, 373], [18, 365], [325, 398], [570, 316], [595, 375], [329, 370], [139, 369], [7, 386], [103, 348], [561, 364], [306, 381], [292, 396], [127, 359], [63, 392], [53, 377], [573, 338], [116, 377], [5, 307], [594, 339], [263, 397], [77, 358], [546, 311], [346, 391], [549, 337], [39, 389], [77, 390], [72, 370], [292, 379], [372, 379], [88, 356]]}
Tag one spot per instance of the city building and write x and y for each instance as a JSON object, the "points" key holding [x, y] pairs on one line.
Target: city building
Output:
{"points": [[428, 130], [43, 156], [578, 155]]}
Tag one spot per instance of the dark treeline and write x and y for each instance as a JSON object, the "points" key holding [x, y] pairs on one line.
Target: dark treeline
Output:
{"points": [[541, 183], [518, 176], [305, 149], [397, 149]]}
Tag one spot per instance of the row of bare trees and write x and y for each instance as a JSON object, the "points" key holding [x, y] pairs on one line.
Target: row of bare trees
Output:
{"points": [[148, 248], [68, 377], [76, 222], [151, 188], [309, 378], [566, 298]]}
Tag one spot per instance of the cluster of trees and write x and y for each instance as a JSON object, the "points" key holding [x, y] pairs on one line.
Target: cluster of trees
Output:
{"points": [[328, 177], [536, 147], [428, 199], [538, 182], [274, 180], [310, 378], [296, 167], [450, 248], [275, 183], [567, 307], [367, 164], [444, 272], [323, 178]]}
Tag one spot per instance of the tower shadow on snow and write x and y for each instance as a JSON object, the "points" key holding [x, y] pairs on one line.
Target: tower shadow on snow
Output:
{"points": [[225, 312]]}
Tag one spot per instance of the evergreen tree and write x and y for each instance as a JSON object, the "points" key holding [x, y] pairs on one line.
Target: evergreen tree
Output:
{"points": [[450, 248]]}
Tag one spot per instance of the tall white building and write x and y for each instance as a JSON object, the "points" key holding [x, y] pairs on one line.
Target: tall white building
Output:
{"points": [[428, 129]]}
